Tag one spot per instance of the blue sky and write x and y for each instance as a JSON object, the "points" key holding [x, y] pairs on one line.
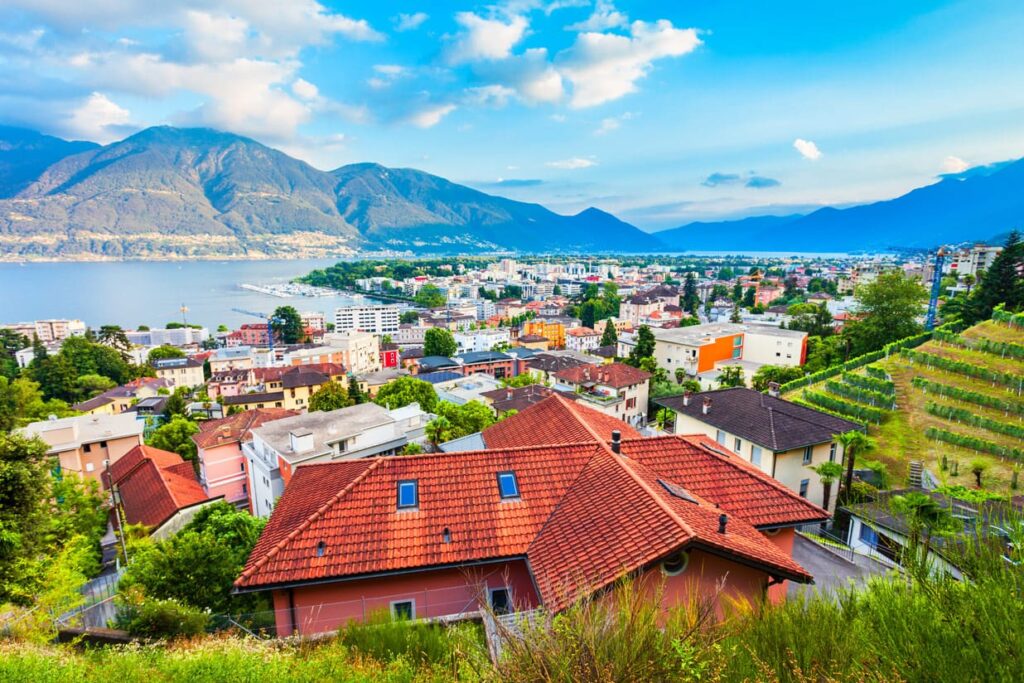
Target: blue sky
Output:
{"points": [[660, 112]]}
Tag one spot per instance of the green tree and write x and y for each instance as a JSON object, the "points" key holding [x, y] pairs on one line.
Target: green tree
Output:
{"points": [[979, 467], [609, 337], [663, 418], [691, 300], [56, 377], [680, 375], [355, 391], [523, 380], [288, 325], [88, 357], [409, 318], [176, 436], [176, 403], [24, 487], [854, 442], [748, 297], [406, 390], [735, 316], [556, 290], [814, 319], [331, 396], [888, 309], [465, 419], [430, 296], [924, 518], [774, 373], [114, 337], [438, 431], [643, 348], [412, 448], [512, 292], [829, 473], [10, 343], [198, 565], [437, 341], [21, 402], [1000, 284], [731, 376], [93, 385], [164, 352]]}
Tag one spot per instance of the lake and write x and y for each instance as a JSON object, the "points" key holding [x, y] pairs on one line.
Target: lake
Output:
{"points": [[133, 293]]}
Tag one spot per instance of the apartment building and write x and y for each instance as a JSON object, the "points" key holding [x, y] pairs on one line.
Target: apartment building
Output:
{"points": [[48, 331], [378, 319], [175, 336], [313, 320], [703, 348], [582, 339], [238, 358], [180, 372], [360, 351], [84, 443], [481, 340], [616, 389], [280, 447]]}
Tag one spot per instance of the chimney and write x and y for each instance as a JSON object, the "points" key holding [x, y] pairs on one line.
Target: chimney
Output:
{"points": [[300, 440], [723, 519], [687, 395], [706, 408], [508, 395], [773, 389], [616, 441]]}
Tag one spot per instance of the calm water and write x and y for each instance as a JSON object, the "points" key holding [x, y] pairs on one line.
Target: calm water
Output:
{"points": [[151, 293]]}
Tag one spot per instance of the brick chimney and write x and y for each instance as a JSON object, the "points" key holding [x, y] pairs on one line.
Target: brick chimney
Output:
{"points": [[773, 389], [687, 395], [706, 408]]}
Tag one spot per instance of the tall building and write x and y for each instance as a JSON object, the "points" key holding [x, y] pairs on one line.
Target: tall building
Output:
{"points": [[381, 319], [48, 330]]}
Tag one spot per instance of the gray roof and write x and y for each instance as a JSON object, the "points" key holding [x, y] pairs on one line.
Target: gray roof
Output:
{"points": [[327, 427], [86, 429], [483, 356], [769, 422], [436, 362], [699, 335]]}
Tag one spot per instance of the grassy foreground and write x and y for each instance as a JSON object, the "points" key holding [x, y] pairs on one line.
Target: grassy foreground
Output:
{"points": [[895, 629]]}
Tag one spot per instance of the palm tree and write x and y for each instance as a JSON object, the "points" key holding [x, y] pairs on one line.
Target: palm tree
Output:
{"points": [[437, 431], [969, 281], [828, 472], [853, 442], [925, 518]]}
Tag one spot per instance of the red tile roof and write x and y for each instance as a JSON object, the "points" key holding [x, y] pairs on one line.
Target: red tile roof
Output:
{"points": [[236, 427], [154, 484], [555, 420], [584, 518], [616, 375], [713, 472]]}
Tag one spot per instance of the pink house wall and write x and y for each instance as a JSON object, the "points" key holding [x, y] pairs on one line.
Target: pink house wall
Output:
{"points": [[703, 577], [437, 593], [224, 468], [783, 540]]}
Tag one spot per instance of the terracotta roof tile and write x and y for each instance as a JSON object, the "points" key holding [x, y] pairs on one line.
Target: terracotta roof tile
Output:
{"points": [[154, 484], [236, 427], [555, 420], [616, 375]]}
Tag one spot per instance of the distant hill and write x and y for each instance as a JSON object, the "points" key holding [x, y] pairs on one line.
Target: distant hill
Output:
{"points": [[199, 192], [24, 154], [974, 205]]}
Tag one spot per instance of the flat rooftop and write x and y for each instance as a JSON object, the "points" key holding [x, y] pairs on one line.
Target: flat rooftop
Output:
{"points": [[701, 335]]}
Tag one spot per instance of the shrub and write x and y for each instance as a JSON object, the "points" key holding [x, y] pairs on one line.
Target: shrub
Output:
{"points": [[876, 372], [968, 396], [973, 443], [882, 386], [385, 638], [969, 418], [844, 408], [859, 395], [155, 618]]}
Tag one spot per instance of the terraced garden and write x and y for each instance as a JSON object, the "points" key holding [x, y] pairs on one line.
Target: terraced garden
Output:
{"points": [[949, 402]]}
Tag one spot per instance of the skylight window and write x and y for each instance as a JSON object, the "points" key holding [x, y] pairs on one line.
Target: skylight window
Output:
{"points": [[508, 487], [408, 494], [677, 491]]}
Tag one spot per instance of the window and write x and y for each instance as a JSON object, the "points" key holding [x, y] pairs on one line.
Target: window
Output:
{"points": [[87, 447], [737, 352], [508, 487], [755, 455], [89, 467], [737, 444], [868, 535], [720, 437], [501, 601], [245, 489], [832, 452], [676, 564], [408, 496], [403, 610], [737, 340], [808, 454], [103, 444], [243, 466], [804, 483]]}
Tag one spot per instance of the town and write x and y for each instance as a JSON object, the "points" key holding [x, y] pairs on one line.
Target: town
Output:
{"points": [[433, 451]]}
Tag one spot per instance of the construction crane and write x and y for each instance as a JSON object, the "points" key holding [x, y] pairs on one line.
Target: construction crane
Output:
{"points": [[270, 320], [933, 302]]}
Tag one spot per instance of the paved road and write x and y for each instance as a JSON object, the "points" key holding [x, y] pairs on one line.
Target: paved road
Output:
{"points": [[829, 570]]}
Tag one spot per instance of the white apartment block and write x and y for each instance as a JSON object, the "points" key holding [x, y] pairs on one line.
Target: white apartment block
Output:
{"points": [[48, 330], [380, 319], [314, 320], [180, 336], [481, 340], [359, 351]]}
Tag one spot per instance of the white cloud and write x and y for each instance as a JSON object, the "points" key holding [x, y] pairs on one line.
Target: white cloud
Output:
{"points": [[605, 17], [305, 90], [558, 118], [489, 95], [485, 39], [98, 118], [431, 116], [612, 123], [952, 164], [410, 22], [564, 4], [807, 149], [572, 163], [215, 37], [603, 67]]}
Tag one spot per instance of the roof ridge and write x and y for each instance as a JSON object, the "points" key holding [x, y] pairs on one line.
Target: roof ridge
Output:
{"points": [[745, 466], [571, 407], [279, 546]]}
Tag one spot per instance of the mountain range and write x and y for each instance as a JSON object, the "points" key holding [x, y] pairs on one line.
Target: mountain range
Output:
{"points": [[200, 193], [170, 192]]}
